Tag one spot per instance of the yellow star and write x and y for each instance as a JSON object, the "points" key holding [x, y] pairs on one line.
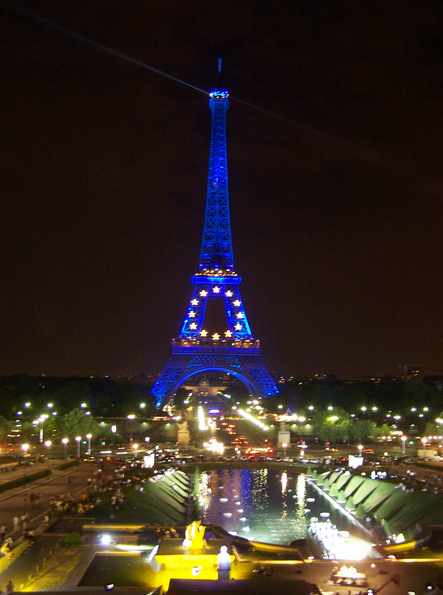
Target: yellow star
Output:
{"points": [[216, 289], [193, 326], [191, 314], [216, 336], [203, 293], [229, 293], [228, 334], [237, 303], [194, 302], [240, 315], [238, 327], [204, 333]]}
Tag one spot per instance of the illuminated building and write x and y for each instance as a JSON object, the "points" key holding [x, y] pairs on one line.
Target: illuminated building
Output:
{"points": [[232, 349]]}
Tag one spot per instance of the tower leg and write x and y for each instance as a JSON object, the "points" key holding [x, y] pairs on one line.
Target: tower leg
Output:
{"points": [[250, 369]]}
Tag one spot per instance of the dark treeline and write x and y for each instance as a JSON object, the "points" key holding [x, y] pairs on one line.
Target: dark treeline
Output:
{"points": [[418, 401], [415, 403], [101, 396]]}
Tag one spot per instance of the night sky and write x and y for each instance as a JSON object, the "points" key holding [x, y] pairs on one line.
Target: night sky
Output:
{"points": [[335, 182]]}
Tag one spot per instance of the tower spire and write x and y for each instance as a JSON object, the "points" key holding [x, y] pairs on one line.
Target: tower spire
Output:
{"points": [[216, 251], [219, 73]]}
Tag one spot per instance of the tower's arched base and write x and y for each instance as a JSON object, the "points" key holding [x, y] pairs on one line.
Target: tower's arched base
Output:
{"points": [[243, 363]]}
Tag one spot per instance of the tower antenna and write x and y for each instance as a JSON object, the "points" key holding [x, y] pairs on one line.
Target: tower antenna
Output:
{"points": [[219, 74]]}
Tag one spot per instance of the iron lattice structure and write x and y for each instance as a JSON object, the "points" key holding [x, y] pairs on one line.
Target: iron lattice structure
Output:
{"points": [[232, 350]]}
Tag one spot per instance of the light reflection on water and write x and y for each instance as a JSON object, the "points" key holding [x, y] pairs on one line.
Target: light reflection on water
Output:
{"points": [[264, 505]]}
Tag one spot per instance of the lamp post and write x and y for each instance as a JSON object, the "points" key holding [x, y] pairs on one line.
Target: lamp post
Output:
{"points": [[48, 444], [78, 439], [89, 436], [284, 450], [135, 447], [360, 449], [65, 442], [302, 421], [41, 420], [333, 418], [25, 450], [403, 445]]}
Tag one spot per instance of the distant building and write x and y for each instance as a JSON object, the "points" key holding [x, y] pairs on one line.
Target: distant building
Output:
{"points": [[413, 373]]}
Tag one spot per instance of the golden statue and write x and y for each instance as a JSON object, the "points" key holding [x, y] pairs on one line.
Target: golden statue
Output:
{"points": [[194, 535]]}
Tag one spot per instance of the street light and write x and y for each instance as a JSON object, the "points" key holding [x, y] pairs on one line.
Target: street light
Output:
{"points": [[403, 444], [41, 419], [78, 439], [333, 418], [302, 421], [65, 442], [360, 449], [89, 436], [284, 450], [135, 447], [48, 444], [25, 450]]}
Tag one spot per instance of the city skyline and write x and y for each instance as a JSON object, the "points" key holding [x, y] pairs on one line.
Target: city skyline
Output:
{"points": [[335, 183]]}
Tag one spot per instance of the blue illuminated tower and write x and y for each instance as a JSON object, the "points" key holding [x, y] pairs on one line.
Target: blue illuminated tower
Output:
{"points": [[231, 349]]}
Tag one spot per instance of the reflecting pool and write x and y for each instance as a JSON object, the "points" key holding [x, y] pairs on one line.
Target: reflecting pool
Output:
{"points": [[263, 504]]}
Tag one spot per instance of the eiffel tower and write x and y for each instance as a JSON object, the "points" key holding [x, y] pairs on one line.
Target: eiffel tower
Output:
{"points": [[232, 349]]}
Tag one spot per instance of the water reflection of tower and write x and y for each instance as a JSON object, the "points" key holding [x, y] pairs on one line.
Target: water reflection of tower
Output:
{"points": [[301, 498], [212, 484], [284, 493], [226, 481], [236, 484], [260, 497], [212, 481], [204, 493]]}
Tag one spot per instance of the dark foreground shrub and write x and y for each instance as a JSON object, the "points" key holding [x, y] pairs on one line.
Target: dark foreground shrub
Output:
{"points": [[73, 540]]}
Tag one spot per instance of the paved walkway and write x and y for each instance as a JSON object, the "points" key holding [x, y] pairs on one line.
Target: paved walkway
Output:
{"points": [[22, 570], [16, 502]]}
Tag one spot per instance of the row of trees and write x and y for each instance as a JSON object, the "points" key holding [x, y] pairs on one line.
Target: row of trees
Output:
{"points": [[26, 398], [342, 427], [72, 424], [102, 396], [108, 396], [390, 394]]}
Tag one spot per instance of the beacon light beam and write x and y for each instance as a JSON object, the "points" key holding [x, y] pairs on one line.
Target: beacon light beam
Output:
{"points": [[252, 419], [25, 13]]}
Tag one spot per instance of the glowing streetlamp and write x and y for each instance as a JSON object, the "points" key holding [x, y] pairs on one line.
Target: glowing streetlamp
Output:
{"points": [[135, 447], [403, 444], [89, 436], [25, 450], [302, 421], [284, 449], [78, 440], [65, 443], [360, 449], [41, 420], [333, 418], [425, 441], [48, 444]]}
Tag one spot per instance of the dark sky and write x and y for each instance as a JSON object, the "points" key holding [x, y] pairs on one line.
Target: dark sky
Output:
{"points": [[337, 232]]}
